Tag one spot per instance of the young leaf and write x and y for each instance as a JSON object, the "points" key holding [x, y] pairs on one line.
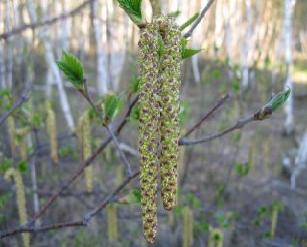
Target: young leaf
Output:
{"points": [[111, 107], [279, 99], [133, 8], [72, 69], [189, 52], [189, 22], [174, 14]]}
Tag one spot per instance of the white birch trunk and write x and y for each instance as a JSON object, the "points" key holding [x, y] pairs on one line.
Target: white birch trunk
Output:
{"points": [[102, 83], [245, 63], [300, 162], [288, 19], [50, 59]]}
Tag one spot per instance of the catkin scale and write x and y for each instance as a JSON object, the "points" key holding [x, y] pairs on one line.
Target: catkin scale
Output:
{"points": [[52, 131], [21, 200], [170, 72], [148, 127]]}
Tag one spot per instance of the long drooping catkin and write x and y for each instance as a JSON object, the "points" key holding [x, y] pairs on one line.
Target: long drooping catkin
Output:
{"points": [[21, 200], [187, 227], [12, 133], [170, 69], [84, 136], [112, 223], [52, 132], [149, 126]]}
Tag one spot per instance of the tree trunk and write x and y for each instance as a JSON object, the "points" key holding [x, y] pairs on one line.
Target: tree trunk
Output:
{"points": [[288, 18]]}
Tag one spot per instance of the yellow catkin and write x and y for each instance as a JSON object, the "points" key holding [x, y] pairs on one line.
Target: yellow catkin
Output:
{"points": [[52, 132], [149, 127], [187, 227], [12, 134], [112, 223], [21, 133], [216, 237], [21, 200], [85, 139], [170, 73]]}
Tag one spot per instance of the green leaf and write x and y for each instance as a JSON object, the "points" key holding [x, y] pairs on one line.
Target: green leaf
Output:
{"points": [[5, 165], [23, 166], [72, 69], [135, 113], [135, 84], [242, 170], [279, 99], [187, 52], [111, 107], [133, 8], [183, 112], [189, 22]]}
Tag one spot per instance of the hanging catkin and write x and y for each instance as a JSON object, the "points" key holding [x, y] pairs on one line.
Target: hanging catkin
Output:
{"points": [[12, 133], [52, 132], [149, 126], [187, 227], [21, 200], [84, 136], [112, 223], [170, 68]]}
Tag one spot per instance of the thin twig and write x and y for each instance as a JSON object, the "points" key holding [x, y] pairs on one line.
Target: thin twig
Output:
{"points": [[207, 115], [51, 21], [110, 131], [238, 125], [24, 97], [80, 223], [199, 19]]}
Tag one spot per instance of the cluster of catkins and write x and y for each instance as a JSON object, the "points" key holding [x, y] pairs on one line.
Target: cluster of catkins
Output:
{"points": [[160, 66]]}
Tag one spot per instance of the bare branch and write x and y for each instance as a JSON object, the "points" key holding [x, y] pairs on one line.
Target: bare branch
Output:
{"points": [[207, 115], [238, 125], [199, 19], [51, 21]]}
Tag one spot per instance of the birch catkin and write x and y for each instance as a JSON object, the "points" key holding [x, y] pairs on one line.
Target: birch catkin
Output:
{"points": [[112, 223], [12, 133], [52, 132], [170, 68], [84, 136], [149, 126], [187, 227], [21, 200]]}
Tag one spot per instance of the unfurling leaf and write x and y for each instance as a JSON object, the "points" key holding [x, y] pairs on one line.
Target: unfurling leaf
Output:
{"points": [[280, 98], [189, 22], [133, 8], [111, 107], [72, 69]]}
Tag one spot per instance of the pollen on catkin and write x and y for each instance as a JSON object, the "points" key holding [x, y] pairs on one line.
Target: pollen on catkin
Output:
{"points": [[170, 72], [85, 137], [187, 227], [21, 200], [52, 132], [149, 126]]}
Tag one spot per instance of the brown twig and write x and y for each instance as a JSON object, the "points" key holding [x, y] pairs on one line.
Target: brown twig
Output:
{"points": [[207, 115], [199, 19], [51, 21]]}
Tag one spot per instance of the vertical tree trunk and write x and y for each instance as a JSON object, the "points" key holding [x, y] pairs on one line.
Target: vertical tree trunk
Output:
{"points": [[288, 19], [51, 62], [102, 81], [245, 52]]}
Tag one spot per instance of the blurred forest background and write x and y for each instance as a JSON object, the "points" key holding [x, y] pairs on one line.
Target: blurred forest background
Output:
{"points": [[247, 188]]}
